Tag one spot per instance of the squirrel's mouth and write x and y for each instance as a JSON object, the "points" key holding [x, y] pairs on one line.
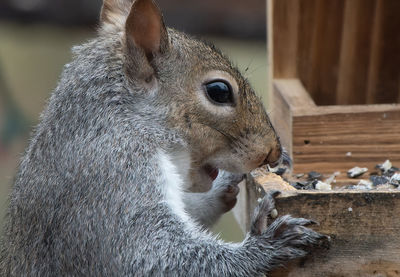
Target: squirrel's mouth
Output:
{"points": [[212, 172]]}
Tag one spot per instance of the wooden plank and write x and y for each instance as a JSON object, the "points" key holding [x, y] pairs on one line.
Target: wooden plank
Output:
{"points": [[347, 53], [389, 70], [330, 47], [320, 56], [281, 118], [295, 95], [288, 97], [306, 27], [313, 60], [375, 52], [355, 52], [350, 109], [318, 137], [363, 227], [301, 104], [371, 137], [285, 22]]}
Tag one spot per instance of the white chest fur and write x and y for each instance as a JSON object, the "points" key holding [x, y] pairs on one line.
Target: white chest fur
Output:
{"points": [[175, 168]]}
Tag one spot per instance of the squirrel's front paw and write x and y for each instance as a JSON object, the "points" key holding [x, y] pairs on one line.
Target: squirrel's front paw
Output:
{"points": [[226, 189], [289, 236], [228, 197], [292, 239]]}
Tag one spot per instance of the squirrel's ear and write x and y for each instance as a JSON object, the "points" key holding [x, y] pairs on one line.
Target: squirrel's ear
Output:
{"points": [[145, 28]]}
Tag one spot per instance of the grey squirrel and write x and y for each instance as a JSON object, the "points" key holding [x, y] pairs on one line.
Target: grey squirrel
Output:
{"points": [[139, 150]]}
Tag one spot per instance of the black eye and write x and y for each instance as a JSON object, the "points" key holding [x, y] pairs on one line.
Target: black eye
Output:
{"points": [[219, 92]]}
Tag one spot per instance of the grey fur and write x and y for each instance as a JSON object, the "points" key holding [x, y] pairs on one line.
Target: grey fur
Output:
{"points": [[89, 200], [207, 207]]}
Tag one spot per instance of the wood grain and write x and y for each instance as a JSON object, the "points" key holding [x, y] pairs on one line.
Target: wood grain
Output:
{"points": [[388, 68], [324, 50], [323, 140], [343, 51], [355, 52], [347, 52], [363, 226], [375, 53], [320, 136], [285, 18], [282, 107], [281, 117], [307, 22]]}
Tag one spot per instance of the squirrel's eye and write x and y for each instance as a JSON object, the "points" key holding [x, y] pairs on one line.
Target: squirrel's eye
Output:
{"points": [[219, 92]]}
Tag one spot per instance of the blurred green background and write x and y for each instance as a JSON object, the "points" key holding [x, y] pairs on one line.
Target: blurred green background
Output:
{"points": [[35, 44]]}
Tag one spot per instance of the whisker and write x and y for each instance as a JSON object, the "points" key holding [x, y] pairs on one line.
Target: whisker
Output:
{"points": [[254, 70], [248, 65], [230, 137], [235, 141]]}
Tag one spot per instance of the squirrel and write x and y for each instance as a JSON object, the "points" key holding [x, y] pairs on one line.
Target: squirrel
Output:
{"points": [[137, 153]]}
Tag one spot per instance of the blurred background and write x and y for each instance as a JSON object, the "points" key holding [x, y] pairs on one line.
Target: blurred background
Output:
{"points": [[35, 41]]}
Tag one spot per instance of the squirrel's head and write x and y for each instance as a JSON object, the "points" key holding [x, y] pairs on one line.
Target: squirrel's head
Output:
{"points": [[208, 101]]}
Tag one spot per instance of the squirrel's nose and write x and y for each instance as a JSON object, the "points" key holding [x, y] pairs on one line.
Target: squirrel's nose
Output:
{"points": [[273, 158]]}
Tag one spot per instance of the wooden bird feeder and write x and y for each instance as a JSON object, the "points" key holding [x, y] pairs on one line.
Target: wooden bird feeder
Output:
{"points": [[335, 89]]}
